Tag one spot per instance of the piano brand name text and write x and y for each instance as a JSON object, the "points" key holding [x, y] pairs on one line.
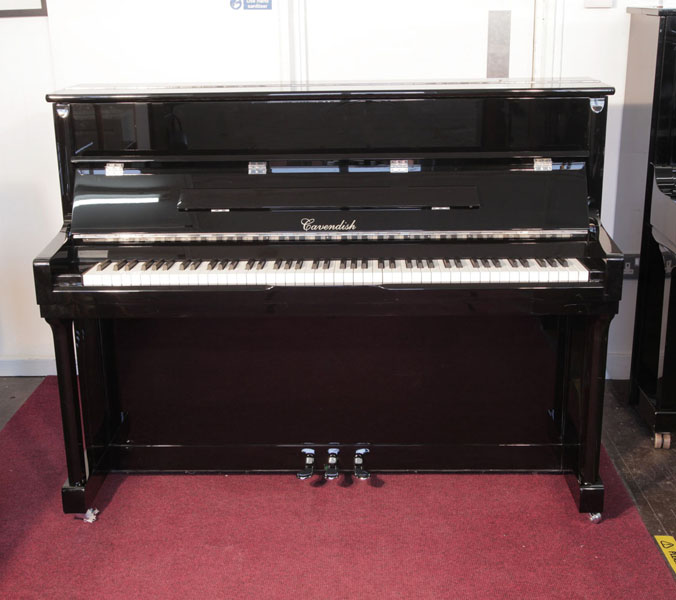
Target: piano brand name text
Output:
{"points": [[309, 225]]}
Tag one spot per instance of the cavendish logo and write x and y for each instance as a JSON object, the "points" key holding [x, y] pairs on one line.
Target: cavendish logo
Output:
{"points": [[310, 225]]}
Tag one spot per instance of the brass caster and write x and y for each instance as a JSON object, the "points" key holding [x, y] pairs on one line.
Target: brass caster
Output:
{"points": [[662, 440]]}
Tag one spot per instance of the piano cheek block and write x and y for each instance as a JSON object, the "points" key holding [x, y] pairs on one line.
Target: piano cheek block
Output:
{"points": [[269, 280]]}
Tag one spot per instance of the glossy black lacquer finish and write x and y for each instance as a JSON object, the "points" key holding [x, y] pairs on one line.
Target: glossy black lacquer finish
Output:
{"points": [[507, 377], [653, 369]]}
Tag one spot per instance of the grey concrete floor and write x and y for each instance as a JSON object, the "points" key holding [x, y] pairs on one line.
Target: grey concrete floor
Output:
{"points": [[649, 474], [14, 391]]}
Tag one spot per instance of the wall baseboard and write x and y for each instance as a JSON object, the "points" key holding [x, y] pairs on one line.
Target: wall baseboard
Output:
{"points": [[27, 367]]}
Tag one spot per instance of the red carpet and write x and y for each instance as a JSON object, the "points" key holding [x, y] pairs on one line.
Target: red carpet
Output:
{"points": [[464, 536]]}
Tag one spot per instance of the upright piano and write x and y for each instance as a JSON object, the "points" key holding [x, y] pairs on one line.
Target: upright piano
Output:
{"points": [[331, 281], [651, 74]]}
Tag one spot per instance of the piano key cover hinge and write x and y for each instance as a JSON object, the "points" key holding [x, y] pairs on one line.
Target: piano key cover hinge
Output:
{"points": [[258, 168], [542, 164]]}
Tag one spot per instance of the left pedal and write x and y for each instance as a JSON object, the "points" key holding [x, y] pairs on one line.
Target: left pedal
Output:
{"points": [[309, 466]]}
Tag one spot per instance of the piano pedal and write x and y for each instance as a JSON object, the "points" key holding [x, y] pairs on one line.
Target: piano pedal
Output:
{"points": [[309, 467], [331, 468], [359, 471]]}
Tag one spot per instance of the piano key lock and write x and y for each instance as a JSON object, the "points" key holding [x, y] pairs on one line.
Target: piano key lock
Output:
{"points": [[309, 466]]}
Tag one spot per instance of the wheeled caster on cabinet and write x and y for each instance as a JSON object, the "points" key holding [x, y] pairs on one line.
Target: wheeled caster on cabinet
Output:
{"points": [[595, 518], [662, 440]]}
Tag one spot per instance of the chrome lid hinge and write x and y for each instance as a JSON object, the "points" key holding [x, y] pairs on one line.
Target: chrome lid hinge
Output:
{"points": [[399, 166], [114, 169], [542, 164], [258, 168], [597, 104]]}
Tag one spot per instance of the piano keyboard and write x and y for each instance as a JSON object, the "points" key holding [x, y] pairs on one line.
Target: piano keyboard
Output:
{"points": [[346, 272]]}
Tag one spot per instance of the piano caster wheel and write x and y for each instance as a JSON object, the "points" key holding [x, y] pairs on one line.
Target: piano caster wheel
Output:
{"points": [[662, 440], [309, 469], [595, 518], [331, 468], [359, 471]]}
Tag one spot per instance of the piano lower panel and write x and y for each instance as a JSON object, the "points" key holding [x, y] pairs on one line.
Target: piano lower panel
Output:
{"points": [[245, 394]]}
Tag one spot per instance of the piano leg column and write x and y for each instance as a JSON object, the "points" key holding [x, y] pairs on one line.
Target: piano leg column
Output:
{"points": [[585, 483], [75, 494]]}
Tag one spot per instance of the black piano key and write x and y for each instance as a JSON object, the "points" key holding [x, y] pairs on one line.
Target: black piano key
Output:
{"points": [[119, 265], [211, 265], [260, 264], [221, 264], [327, 264], [148, 264], [130, 264], [184, 265], [393, 263], [430, 263], [287, 264], [194, 264], [447, 263], [104, 265], [419, 264], [168, 264], [552, 262], [343, 264], [364, 264], [315, 264], [278, 264], [298, 265], [486, 263], [563, 261], [158, 265], [496, 262], [458, 263], [250, 264], [524, 262], [233, 265], [475, 262], [353, 264], [513, 262], [381, 264], [540, 262], [409, 264]]}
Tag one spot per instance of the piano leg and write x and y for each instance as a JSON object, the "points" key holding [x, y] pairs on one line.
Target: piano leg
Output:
{"points": [[78, 490], [585, 482]]}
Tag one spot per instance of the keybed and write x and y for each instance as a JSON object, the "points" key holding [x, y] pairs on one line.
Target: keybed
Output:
{"points": [[318, 272]]}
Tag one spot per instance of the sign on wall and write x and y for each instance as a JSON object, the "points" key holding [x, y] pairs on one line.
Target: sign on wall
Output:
{"points": [[23, 8]]}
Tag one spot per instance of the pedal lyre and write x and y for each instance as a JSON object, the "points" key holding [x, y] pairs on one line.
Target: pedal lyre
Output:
{"points": [[359, 471], [309, 467]]}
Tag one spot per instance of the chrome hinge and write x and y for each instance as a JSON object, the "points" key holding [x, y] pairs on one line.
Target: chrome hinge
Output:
{"points": [[63, 110], [597, 104], [114, 169], [399, 166], [258, 168], [542, 164]]}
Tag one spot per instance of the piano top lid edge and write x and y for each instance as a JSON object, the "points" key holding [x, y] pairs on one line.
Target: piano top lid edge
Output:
{"points": [[581, 87]]}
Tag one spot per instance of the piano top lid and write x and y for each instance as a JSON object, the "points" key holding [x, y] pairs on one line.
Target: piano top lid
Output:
{"points": [[587, 88]]}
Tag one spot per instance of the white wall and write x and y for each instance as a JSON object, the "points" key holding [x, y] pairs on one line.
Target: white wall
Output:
{"points": [[128, 41], [29, 192]]}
